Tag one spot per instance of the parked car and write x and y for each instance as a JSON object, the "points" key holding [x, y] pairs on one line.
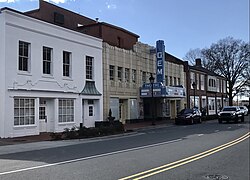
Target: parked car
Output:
{"points": [[244, 109], [188, 116], [231, 113]]}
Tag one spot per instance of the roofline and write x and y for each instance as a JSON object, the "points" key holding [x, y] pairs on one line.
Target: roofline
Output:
{"points": [[206, 71], [32, 11], [13, 10], [50, 4], [113, 26], [52, 24], [103, 23], [177, 59]]}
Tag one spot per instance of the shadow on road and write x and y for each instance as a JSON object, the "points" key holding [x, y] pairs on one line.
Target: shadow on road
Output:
{"points": [[144, 137]]}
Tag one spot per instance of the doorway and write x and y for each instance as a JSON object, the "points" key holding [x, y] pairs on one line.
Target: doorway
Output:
{"points": [[122, 110], [42, 115]]}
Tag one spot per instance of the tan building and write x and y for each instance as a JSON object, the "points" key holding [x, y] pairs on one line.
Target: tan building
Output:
{"points": [[175, 79], [125, 72]]}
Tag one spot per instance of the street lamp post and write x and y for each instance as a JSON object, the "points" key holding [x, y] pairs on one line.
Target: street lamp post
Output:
{"points": [[151, 80], [194, 87]]}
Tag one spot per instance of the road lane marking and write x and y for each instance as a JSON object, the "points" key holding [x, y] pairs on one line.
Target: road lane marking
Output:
{"points": [[191, 160], [184, 161], [200, 135], [216, 131], [86, 158]]}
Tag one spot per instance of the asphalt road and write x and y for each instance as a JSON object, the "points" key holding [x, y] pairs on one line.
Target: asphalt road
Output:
{"points": [[203, 151]]}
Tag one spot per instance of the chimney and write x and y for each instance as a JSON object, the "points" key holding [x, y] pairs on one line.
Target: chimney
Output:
{"points": [[96, 20], [198, 62]]}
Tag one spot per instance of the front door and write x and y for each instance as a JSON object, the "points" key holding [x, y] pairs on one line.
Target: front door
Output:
{"points": [[172, 109], [122, 111], [42, 116]]}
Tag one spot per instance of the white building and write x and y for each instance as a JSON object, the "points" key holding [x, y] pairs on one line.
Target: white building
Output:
{"points": [[51, 77]]}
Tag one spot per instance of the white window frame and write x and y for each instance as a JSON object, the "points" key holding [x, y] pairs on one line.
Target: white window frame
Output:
{"points": [[67, 63], [23, 56], [127, 74], [170, 81], [89, 68], [211, 104], [24, 111], [202, 82], [192, 79], [111, 72], [224, 86], [178, 81], [134, 75], [91, 110], [91, 107], [47, 60], [217, 85], [66, 110], [166, 80], [198, 81], [119, 73], [144, 77]]}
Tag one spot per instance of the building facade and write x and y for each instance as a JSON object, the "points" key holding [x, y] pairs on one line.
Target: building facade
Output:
{"points": [[68, 69], [206, 90], [166, 96], [126, 76], [127, 65], [122, 78], [117, 52], [51, 77]]}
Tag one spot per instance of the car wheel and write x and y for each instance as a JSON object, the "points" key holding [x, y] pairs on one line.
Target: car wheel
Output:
{"points": [[236, 120], [242, 119]]}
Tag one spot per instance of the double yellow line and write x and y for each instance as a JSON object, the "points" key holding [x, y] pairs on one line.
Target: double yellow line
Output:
{"points": [[184, 161]]}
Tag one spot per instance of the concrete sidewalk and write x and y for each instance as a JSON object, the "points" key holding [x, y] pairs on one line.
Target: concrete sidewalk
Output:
{"points": [[44, 141]]}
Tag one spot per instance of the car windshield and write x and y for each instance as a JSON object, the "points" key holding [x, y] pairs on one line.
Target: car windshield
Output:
{"points": [[229, 109], [186, 111], [242, 107]]}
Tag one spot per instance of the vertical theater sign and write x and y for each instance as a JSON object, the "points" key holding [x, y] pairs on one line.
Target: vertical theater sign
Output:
{"points": [[160, 57], [167, 99]]}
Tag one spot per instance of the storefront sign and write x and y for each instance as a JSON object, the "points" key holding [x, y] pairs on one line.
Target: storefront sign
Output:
{"points": [[162, 91], [175, 92], [160, 58], [146, 90]]}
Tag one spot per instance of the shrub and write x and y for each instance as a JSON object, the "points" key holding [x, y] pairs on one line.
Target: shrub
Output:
{"points": [[87, 132], [56, 136], [75, 132], [70, 133]]}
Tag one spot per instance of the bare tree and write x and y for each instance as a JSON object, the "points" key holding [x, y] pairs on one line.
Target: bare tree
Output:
{"points": [[230, 58], [193, 54]]}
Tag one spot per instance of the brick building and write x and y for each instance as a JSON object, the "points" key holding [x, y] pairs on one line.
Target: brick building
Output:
{"points": [[205, 89]]}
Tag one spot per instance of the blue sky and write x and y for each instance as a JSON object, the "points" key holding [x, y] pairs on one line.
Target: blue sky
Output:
{"points": [[182, 24]]}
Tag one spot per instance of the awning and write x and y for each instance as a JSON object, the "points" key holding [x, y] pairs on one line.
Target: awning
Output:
{"points": [[90, 89]]}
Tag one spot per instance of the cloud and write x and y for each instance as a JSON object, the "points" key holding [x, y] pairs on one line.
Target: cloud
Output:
{"points": [[54, 1], [57, 1], [111, 6], [8, 1]]}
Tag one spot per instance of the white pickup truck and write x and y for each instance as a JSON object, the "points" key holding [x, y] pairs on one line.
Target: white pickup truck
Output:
{"points": [[231, 113]]}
